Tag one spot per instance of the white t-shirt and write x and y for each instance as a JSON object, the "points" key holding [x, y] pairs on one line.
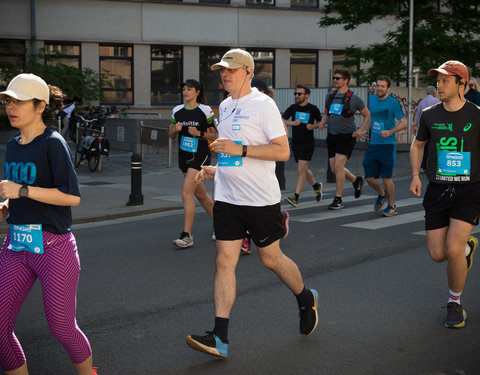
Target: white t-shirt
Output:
{"points": [[68, 110], [253, 120]]}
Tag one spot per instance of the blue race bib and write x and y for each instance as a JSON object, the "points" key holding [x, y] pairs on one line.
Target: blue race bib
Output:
{"points": [[377, 126], [28, 237], [225, 160], [336, 109], [189, 144], [454, 163], [302, 116]]}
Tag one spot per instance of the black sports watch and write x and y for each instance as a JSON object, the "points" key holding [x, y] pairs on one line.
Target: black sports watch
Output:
{"points": [[244, 151], [23, 192]]}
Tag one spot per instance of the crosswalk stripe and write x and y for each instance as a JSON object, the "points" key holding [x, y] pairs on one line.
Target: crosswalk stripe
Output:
{"points": [[333, 214], [323, 203], [385, 222], [422, 232]]}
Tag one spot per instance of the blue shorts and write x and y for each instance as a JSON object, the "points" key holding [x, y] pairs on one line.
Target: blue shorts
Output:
{"points": [[379, 161]]}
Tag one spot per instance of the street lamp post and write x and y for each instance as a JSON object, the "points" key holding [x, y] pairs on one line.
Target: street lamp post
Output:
{"points": [[410, 73]]}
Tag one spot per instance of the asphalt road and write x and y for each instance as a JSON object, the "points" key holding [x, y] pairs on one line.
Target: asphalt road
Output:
{"points": [[381, 299]]}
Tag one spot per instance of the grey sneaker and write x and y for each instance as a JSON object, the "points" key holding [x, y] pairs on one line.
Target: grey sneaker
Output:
{"points": [[390, 211], [185, 240], [456, 316]]}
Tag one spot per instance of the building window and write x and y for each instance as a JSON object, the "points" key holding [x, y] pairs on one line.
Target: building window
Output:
{"points": [[12, 57], [62, 53], [116, 62], [339, 63], [303, 68], [268, 3], [264, 65], [211, 79], [311, 4], [166, 75]]}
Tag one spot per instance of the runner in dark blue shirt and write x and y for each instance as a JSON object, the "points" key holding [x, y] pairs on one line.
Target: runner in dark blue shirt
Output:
{"points": [[39, 188]]}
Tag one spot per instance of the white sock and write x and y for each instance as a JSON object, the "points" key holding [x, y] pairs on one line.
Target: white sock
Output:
{"points": [[454, 297]]}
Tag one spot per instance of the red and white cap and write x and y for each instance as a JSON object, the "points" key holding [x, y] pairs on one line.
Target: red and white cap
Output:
{"points": [[452, 68]]}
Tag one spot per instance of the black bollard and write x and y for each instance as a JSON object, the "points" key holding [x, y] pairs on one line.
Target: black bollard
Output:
{"points": [[136, 196]]}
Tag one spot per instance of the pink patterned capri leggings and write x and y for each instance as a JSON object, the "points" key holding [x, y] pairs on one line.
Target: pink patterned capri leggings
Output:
{"points": [[58, 270]]}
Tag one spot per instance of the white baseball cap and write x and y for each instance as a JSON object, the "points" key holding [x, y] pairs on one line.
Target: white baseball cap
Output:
{"points": [[27, 86]]}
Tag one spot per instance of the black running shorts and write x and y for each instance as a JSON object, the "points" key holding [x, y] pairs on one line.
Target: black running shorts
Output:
{"points": [[303, 150], [445, 202], [340, 144], [192, 160], [231, 222]]}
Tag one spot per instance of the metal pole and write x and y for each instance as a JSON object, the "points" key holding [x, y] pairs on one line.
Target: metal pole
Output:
{"points": [[141, 141], [33, 28], [169, 152], [410, 73], [76, 142]]}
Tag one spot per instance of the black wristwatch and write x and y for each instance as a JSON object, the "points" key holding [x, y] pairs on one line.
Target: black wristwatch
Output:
{"points": [[23, 192], [244, 151], [202, 133]]}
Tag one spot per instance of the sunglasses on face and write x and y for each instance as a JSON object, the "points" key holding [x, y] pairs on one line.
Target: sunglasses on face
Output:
{"points": [[337, 78], [299, 93], [13, 101]]}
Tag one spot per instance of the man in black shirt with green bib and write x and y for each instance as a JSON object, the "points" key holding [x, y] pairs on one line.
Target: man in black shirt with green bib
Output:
{"points": [[452, 198]]}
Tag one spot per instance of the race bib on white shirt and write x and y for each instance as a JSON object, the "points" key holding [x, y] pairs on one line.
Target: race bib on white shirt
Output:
{"points": [[225, 160]]}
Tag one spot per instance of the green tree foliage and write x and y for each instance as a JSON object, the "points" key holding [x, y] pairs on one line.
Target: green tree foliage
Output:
{"points": [[84, 83], [443, 30]]}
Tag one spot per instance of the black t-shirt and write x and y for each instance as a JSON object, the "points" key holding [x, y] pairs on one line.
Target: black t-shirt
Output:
{"points": [[45, 162], [453, 150], [200, 117], [307, 114]]}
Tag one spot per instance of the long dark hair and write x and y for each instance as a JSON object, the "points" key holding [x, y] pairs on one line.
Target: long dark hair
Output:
{"points": [[55, 103], [201, 98]]}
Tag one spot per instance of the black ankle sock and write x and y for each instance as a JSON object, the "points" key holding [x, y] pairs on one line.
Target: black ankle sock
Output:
{"points": [[221, 329], [296, 196], [305, 298], [315, 186]]}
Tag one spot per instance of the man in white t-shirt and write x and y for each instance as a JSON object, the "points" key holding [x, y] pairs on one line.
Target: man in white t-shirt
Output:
{"points": [[247, 197]]}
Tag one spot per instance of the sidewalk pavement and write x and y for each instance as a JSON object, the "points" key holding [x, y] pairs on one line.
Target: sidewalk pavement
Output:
{"points": [[105, 193]]}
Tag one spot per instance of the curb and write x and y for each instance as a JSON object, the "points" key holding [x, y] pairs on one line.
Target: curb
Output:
{"points": [[4, 228]]}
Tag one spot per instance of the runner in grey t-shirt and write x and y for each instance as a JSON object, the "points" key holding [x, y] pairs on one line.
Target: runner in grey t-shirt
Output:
{"points": [[342, 134], [338, 124]]}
